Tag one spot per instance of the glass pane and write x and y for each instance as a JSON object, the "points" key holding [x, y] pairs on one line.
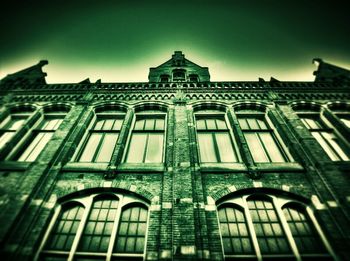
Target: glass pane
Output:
{"points": [[99, 124], [255, 147], [90, 147], [107, 147], [50, 124], [149, 124], [139, 124], [108, 124], [221, 124], [6, 137], [117, 124], [271, 147], [211, 124], [154, 148], [333, 141], [326, 147], [312, 123], [201, 124], [243, 123], [159, 124], [253, 125], [15, 124], [261, 124], [225, 147], [206, 147], [137, 148], [346, 122]]}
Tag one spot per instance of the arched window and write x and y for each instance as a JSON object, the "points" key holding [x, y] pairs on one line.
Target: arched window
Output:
{"points": [[164, 78], [41, 135], [214, 138], [147, 138], [260, 136], [99, 227], [102, 136], [193, 78], [264, 226], [324, 133]]}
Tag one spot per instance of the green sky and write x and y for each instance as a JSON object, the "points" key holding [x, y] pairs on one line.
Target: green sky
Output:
{"points": [[119, 40]]}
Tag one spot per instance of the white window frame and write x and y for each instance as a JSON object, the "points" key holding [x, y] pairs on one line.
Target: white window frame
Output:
{"points": [[278, 202], [216, 114], [87, 202], [144, 115]]}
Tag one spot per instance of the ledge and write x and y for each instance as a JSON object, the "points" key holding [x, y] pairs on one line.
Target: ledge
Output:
{"points": [[85, 166], [223, 167], [14, 165], [279, 166], [141, 167]]}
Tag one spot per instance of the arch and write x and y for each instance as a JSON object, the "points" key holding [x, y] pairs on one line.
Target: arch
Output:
{"points": [[144, 106], [110, 106], [306, 106], [338, 106], [57, 107], [200, 105], [250, 105], [22, 107]]}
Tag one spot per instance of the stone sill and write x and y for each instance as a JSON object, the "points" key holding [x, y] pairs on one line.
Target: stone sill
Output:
{"points": [[280, 166], [223, 167], [85, 166], [141, 167], [14, 165]]}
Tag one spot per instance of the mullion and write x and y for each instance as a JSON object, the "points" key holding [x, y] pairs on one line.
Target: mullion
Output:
{"points": [[98, 148], [331, 146], [145, 149], [263, 145], [38, 142], [216, 148]]}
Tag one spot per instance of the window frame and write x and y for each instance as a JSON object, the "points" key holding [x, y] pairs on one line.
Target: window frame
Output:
{"points": [[216, 114], [87, 201], [104, 114], [35, 132], [148, 114], [279, 202], [270, 129], [324, 126]]}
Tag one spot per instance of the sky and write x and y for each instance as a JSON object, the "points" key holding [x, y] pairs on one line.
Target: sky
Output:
{"points": [[118, 41]]}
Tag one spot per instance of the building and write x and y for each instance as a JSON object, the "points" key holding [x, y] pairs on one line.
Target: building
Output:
{"points": [[177, 168]]}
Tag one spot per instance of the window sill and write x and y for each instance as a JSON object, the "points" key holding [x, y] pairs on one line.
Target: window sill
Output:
{"points": [[223, 167], [85, 166], [141, 167], [14, 165], [279, 166]]}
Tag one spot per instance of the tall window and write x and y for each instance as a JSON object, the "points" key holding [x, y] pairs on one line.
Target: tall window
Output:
{"points": [[147, 138], [41, 136], [98, 227], [256, 226], [10, 125], [214, 139], [102, 137], [260, 137], [329, 141]]}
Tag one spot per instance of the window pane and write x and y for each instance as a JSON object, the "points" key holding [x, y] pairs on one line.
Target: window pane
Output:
{"points": [[139, 124], [211, 124], [90, 147], [225, 148], [243, 123], [261, 124], [15, 124], [108, 124], [99, 124], [137, 147], [149, 124], [154, 148], [253, 125], [117, 124], [107, 147], [326, 147], [271, 147], [5, 138], [35, 147], [346, 122], [333, 141], [159, 124], [51, 124], [206, 147], [221, 124], [255, 147], [201, 124]]}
